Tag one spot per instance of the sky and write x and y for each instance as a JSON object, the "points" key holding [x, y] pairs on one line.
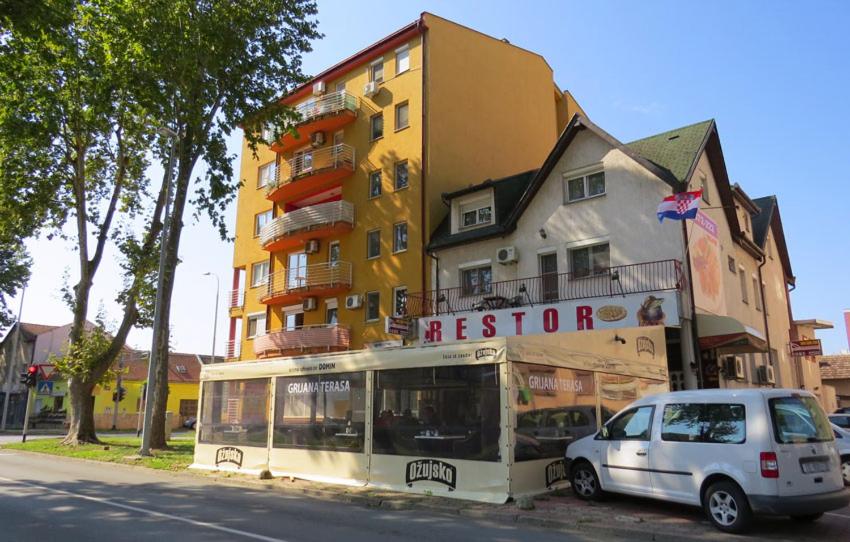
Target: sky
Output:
{"points": [[774, 75]]}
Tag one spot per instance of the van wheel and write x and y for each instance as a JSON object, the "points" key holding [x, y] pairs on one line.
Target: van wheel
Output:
{"points": [[808, 517], [727, 507], [585, 482]]}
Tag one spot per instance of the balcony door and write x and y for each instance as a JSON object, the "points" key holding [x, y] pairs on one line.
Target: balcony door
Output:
{"points": [[296, 271], [293, 320], [302, 161], [549, 277]]}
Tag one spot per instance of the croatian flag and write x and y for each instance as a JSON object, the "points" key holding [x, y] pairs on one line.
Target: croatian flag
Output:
{"points": [[679, 206]]}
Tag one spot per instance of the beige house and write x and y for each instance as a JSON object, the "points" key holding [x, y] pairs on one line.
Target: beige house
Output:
{"points": [[584, 226], [835, 372]]}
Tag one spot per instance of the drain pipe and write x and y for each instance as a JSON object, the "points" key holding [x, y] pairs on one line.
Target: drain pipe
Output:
{"points": [[436, 280], [764, 313]]}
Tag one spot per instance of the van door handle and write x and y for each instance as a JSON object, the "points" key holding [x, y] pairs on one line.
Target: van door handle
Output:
{"points": [[641, 452]]}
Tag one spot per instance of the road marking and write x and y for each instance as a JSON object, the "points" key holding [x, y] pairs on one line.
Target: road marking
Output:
{"points": [[839, 515], [106, 502]]}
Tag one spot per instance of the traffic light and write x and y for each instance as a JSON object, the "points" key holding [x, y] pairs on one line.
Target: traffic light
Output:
{"points": [[119, 394], [30, 377]]}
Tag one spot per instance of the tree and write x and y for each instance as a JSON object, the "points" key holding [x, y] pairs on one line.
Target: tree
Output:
{"points": [[215, 64], [73, 154]]}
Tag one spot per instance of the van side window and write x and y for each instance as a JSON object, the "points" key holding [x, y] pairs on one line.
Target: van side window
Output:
{"points": [[718, 423], [632, 425]]}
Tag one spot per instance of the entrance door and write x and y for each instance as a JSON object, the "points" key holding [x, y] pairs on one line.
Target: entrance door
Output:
{"points": [[549, 277], [296, 271], [625, 460]]}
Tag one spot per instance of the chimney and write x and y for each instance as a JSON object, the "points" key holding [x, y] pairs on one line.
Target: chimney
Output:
{"points": [[847, 325]]}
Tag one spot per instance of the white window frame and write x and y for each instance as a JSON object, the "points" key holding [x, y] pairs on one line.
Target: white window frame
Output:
{"points": [[474, 267], [264, 180], [260, 330], [378, 255], [406, 242], [475, 205], [584, 174], [756, 292], [396, 187], [257, 227], [586, 246], [398, 106], [330, 253], [265, 280], [405, 51], [340, 86], [366, 306], [396, 290], [372, 66], [742, 279]]}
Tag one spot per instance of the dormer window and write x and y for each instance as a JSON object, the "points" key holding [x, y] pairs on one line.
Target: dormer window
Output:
{"points": [[476, 213]]}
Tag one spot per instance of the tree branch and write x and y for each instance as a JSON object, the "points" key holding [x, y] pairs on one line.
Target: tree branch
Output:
{"points": [[103, 234]]}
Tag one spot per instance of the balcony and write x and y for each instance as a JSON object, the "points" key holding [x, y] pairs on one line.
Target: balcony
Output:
{"points": [[319, 221], [613, 281], [232, 350], [293, 285], [311, 172], [237, 299], [319, 114], [303, 339]]}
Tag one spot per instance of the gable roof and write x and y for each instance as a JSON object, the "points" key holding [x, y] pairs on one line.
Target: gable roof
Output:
{"points": [[762, 223], [506, 192], [834, 367], [137, 367], [676, 151]]}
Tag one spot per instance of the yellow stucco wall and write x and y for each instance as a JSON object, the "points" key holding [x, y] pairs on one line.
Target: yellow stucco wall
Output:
{"points": [[103, 404]]}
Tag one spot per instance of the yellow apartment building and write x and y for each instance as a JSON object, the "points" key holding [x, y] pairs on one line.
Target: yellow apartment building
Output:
{"points": [[332, 224]]}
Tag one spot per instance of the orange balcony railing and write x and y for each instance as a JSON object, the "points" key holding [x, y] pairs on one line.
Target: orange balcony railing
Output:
{"points": [[319, 221], [325, 113], [294, 284], [310, 172], [316, 338]]}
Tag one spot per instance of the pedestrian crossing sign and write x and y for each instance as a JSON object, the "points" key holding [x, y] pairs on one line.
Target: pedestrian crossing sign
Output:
{"points": [[45, 388]]}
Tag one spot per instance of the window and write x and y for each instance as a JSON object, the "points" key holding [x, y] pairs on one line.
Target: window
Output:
{"points": [[718, 423], [333, 253], [742, 276], [401, 178], [402, 60], [476, 281], [591, 260], [180, 369], [340, 87], [235, 412], [476, 213], [756, 296], [401, 116], [260, 220], [259, 274], [400, 237], [451, 412], [256, 324], [266, 175], [188, 408], [267, 132], [374, 184], [703, 182], [338, 138], [376, 124], [746, 221], [321, 412], [731, 263], [588, 186], [373, 306], [400, 301], [373, 244], [332, 315], [376, 71], [798, 419], [293, 320], [554, 407], [633, 424]]}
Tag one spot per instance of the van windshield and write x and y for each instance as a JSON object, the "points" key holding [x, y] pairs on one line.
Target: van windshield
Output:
{"points": [[799, 419]]}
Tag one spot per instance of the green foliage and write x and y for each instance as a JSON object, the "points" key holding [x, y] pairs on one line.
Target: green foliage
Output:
{"points": [[81, 359], [14, 273]]}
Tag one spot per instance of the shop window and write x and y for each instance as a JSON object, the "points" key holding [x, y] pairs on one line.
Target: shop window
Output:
{"points": [[554, 407], [592, 260], [235, 412], [321, 412], [476, 281], [449, 412]]}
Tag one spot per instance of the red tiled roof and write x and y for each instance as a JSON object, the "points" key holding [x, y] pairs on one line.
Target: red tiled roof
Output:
{"points": [[834, 367], [181, 367], [36, 329]]}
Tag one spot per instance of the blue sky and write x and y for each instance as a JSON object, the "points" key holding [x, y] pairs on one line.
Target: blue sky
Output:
{"points": [[774, 75]]}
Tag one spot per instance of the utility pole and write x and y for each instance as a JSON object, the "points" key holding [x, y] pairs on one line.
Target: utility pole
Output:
{"points": [[215, 318], [10, 363], [157, 333]]}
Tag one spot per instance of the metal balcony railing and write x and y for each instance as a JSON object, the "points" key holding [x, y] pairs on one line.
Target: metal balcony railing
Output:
{"points": [[319, 106], [307, 218], [305, 278], [237, 299], [232, 350], [312, 162], [323, 336], [549, 288]]}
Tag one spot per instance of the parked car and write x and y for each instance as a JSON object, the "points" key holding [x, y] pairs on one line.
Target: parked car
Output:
{"points": [[843, 410], [842, 442], [190, 422], [841, 420], [735, 453]]}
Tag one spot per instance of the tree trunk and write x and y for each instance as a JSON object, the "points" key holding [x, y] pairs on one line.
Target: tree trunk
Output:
{"points": [[82, 414]]}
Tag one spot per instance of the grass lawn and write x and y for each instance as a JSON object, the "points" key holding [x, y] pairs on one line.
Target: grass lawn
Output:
{"points": [[116, 450]]}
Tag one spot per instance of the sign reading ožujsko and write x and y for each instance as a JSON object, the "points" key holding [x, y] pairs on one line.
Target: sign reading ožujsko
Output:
{"points": [[228, 454], [431, 470], [632, 310], [556, 471], [806, 347]]}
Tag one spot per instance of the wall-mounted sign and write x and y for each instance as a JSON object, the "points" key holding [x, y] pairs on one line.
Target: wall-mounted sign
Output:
{"points": [[431, 470], [45, 387], [396, 325], [556, 471], [632, 310], [806, 347]]}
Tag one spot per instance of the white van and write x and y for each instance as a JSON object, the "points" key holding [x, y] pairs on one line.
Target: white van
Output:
{"points": [[733, 452]]}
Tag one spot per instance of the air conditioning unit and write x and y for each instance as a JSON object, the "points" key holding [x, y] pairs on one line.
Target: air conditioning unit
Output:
{"points": [[766, 374], [309, 304], [370, 89], [506, 255], [353, 301], [317, 139], [318, 88], [733, 367], [311, 246]]}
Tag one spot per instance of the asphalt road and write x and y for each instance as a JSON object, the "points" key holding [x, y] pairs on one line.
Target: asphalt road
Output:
{"points": [[45, 498]]}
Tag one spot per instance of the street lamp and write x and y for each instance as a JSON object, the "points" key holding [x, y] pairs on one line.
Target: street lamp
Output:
{"points": [[215, 318]]}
